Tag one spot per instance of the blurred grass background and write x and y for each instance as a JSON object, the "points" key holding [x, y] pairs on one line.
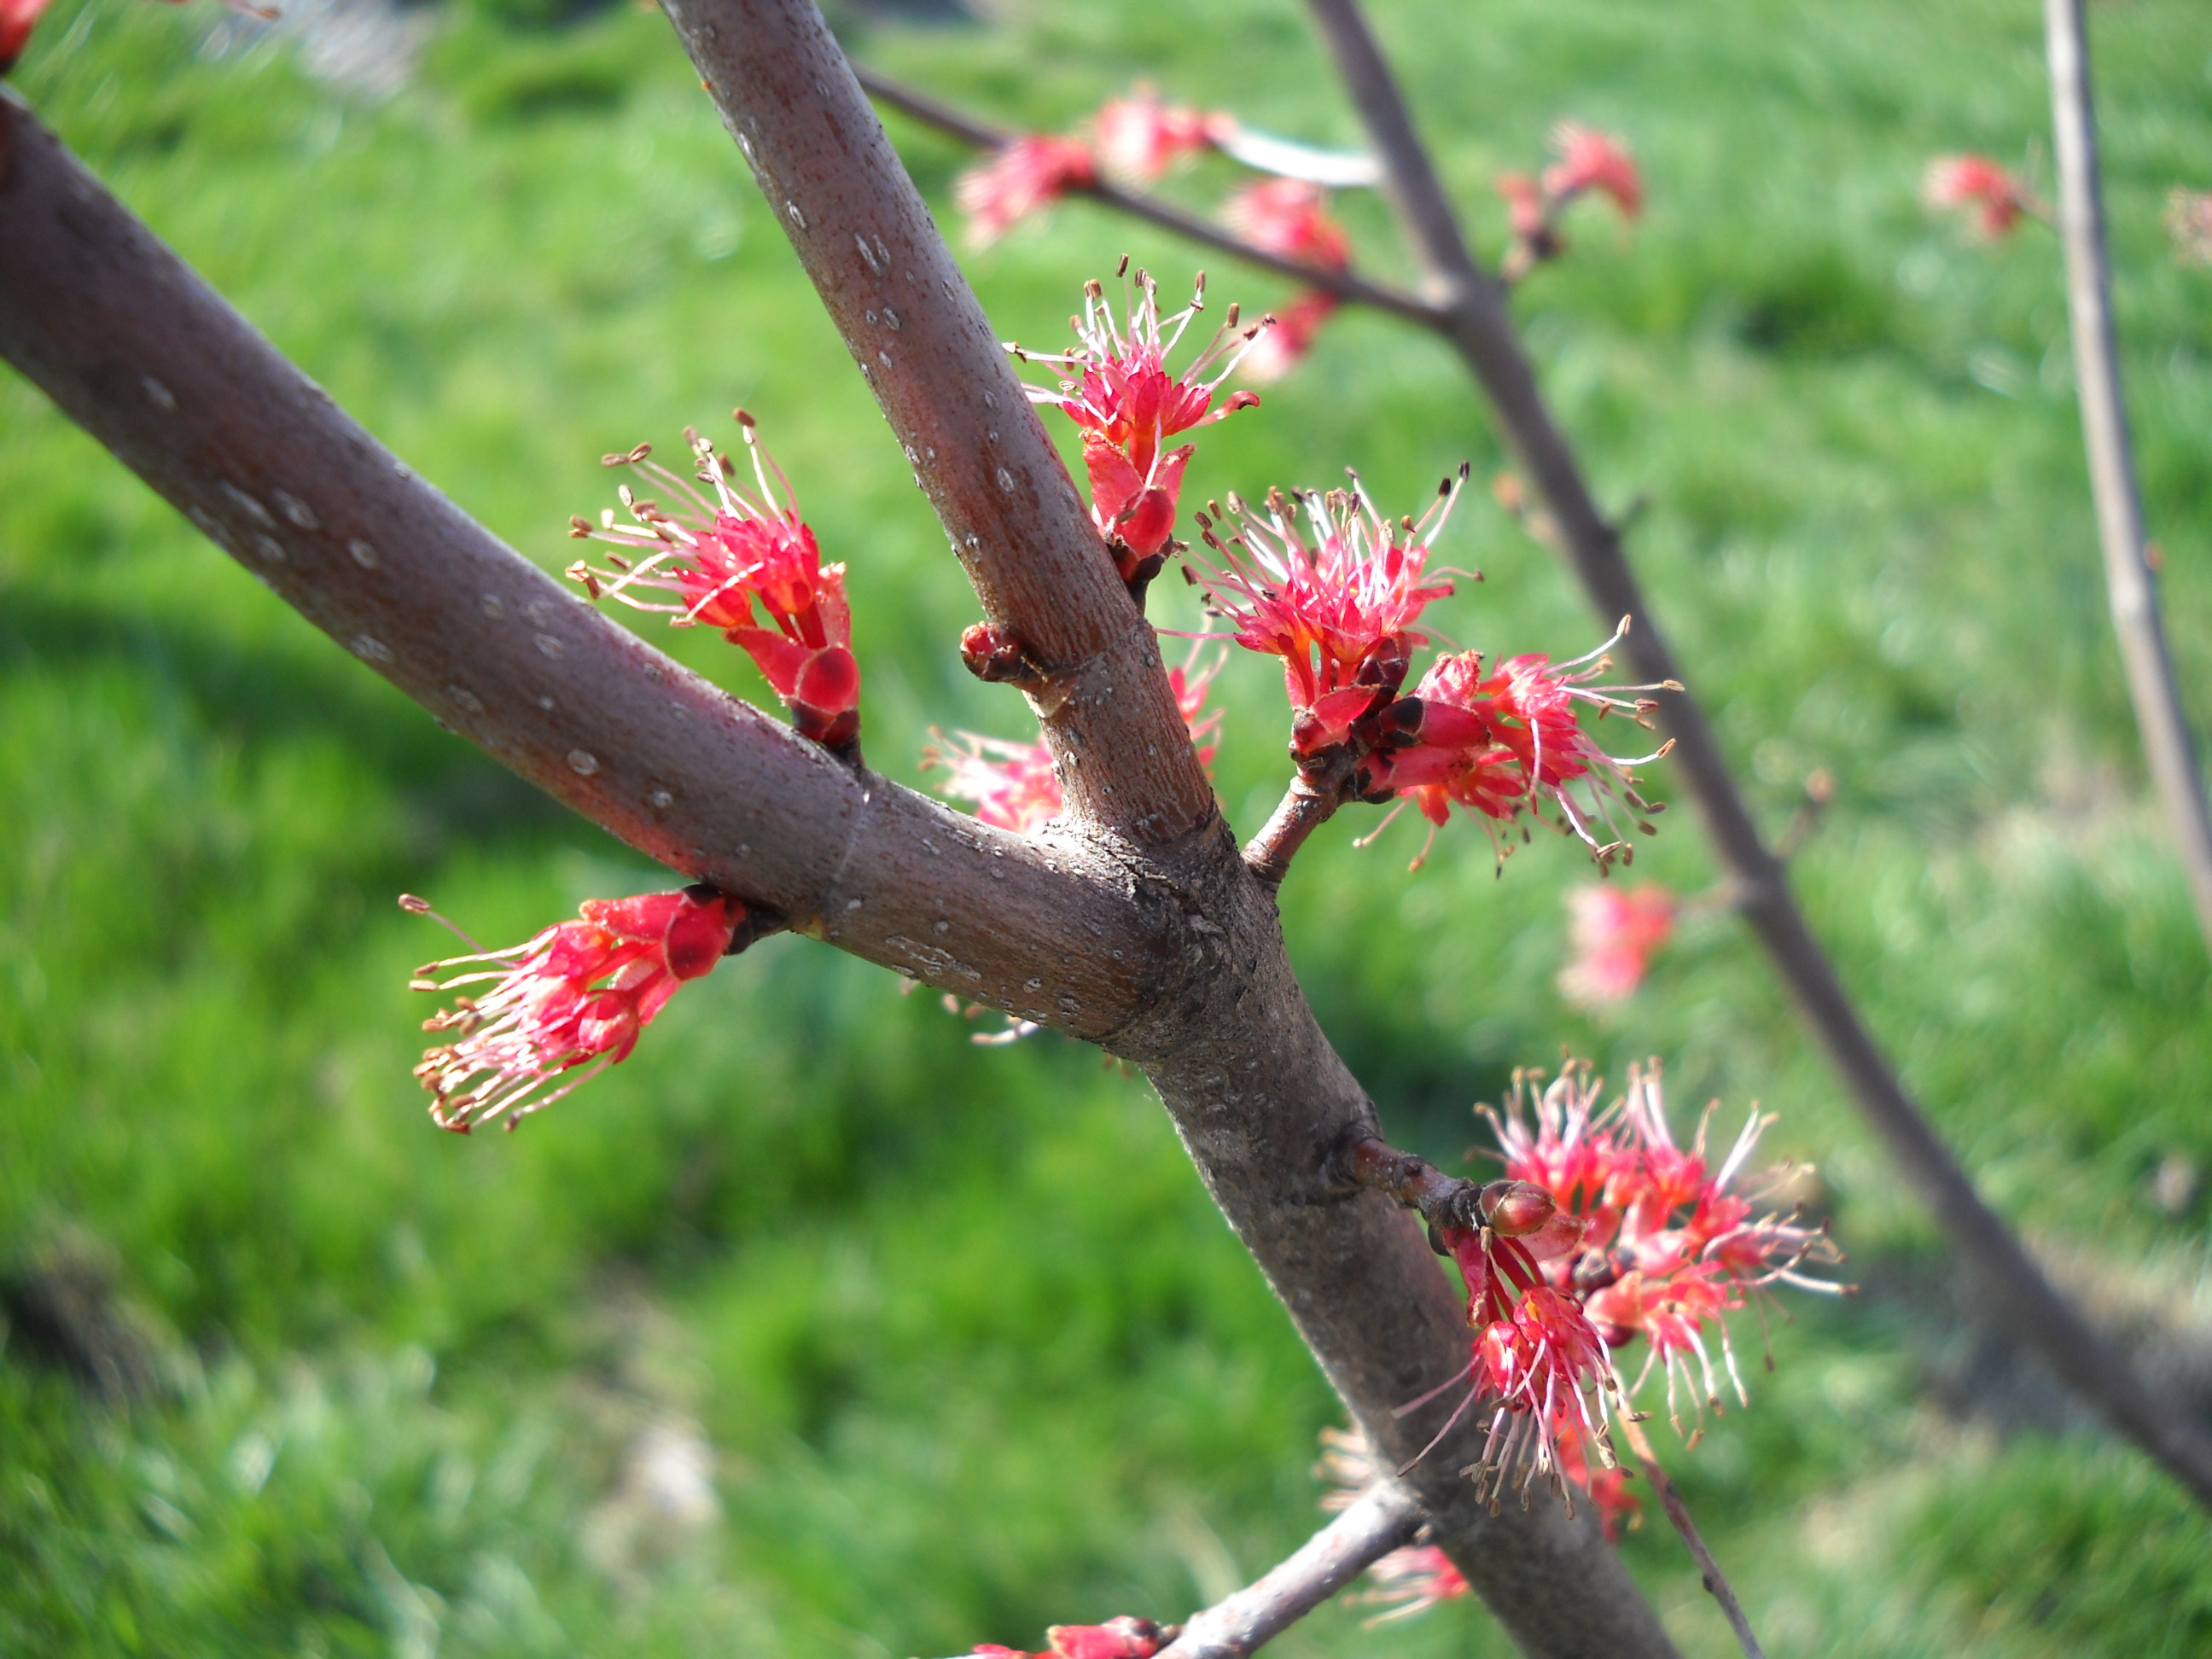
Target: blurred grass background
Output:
{"points": [[955, 1333]]}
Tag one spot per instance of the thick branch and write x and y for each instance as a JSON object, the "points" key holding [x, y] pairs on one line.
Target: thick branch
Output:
{"points": [[976, 447], [1483, 334], [148, 359], [1384, 1518], [920, 107], [2129, 581]]}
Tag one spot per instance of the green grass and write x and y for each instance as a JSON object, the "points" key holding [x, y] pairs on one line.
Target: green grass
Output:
{"points": [[971, 1348]]}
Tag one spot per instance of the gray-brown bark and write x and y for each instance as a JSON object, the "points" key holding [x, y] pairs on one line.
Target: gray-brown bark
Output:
{"points": [[1140, 928]]}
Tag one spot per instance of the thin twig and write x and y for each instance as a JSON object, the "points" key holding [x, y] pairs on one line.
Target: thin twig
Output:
{"points": [[1345, 285], [1308, 803], [1411, 1182], [2130, 583], [1383, 1518], [1670, 1500]]}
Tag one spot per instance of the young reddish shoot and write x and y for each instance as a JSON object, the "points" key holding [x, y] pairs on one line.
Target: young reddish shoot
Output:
{"points": [[1994, 199], [1588, 161]]}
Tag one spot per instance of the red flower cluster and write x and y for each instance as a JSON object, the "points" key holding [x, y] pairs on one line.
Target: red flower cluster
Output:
{"points": [[1121, 392], [1588, 161], [1290, 217], [1665, 1247], [1117, 1638], [721, 554], [1013, 784], [1615, 933], [1139, 138], [1509, 741], [1539, 1366], [1997, 198], [1603, 1231], [575, 995], [1032, 172], [1136, 139], [1338, 601]]}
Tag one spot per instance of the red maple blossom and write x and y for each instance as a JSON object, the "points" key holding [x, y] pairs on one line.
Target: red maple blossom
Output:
{"points": [[1120, 390], [720, 554], [1030, 172], [575, 995]]}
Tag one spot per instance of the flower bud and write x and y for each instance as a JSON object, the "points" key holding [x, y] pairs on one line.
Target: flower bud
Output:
{"points": [[1514, 1209]]}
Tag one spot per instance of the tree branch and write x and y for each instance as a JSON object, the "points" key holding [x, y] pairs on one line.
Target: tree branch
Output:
{"points": [[1482, 333], [977, 448], [1382, 1519], [1257, 1094], [2129, 582], [1178, 949], [151, 362], [920, 107]]}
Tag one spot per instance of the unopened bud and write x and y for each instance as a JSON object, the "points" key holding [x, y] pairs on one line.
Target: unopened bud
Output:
{"points": [[1514, 1209]]}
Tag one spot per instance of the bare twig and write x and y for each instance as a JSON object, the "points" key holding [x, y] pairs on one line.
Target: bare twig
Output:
{"points": [[1384, 1518], [1716, 1581], [2129, 582], [1344, 284]]}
